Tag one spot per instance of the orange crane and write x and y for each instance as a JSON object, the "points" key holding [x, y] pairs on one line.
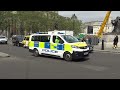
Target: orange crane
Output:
{"points": [[103, 24]]}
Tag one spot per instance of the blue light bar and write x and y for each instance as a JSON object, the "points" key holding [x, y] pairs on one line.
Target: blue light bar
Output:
{"points": [[42, 33]]}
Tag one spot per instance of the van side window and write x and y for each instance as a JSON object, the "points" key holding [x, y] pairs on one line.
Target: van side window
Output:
{"points": [[45, 39], [41, 38], [35, 38]]}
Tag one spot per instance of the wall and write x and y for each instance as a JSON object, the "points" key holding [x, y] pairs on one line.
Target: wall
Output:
{"points": [[96, 26], [110, 38]]}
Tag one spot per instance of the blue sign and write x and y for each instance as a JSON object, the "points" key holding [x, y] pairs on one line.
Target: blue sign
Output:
{"points": [[60, 33]]}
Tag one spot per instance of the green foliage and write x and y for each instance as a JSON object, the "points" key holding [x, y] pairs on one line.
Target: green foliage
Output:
{"points": [[37, 21]]}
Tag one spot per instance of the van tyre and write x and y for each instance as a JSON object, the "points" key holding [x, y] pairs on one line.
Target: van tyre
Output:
{"points": [[36, 53], [67, 56], [5, 42]]}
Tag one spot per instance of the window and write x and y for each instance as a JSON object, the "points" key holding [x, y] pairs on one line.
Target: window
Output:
{"points": [[41, 38], [90, 29], [70, 39], [35, 38], [45, 39], [19, 38], [60, 40]]}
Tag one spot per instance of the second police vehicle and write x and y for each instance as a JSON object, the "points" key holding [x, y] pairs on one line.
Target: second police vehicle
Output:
{"points": [[58, 44]]}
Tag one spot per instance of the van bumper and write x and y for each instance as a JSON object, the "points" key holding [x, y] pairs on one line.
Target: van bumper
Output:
{"points": [[78, 55]]}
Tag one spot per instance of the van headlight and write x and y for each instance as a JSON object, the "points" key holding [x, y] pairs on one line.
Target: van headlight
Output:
{"points": [[74, 46]]}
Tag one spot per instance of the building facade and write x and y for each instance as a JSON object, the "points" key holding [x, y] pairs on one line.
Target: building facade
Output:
{"points": [[93, 27]]}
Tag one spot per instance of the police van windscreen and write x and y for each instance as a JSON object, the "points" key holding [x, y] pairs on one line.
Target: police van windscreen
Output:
{"points": [[70, 39]]}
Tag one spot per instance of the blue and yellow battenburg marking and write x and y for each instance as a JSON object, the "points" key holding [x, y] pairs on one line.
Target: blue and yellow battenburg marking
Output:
{"points": [[47, 45]]}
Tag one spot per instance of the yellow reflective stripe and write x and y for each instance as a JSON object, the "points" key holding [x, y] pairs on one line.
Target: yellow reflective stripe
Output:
{"points": [[53, 46], [41, 44], [31, 44], [67, 47]]}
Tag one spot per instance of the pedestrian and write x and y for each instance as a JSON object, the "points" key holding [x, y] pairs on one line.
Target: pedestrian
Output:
{"points": [[115, 42], [90, 40], [83, 39]]}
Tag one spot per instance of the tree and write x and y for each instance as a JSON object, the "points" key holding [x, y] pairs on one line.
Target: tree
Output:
{"points": [[35, 21]]}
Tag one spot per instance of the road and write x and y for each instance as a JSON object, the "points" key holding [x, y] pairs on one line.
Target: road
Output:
{"points": [[22, 65]]}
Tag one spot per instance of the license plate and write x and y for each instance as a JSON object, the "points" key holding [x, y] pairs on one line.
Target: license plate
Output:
{"points": [[86, 53]]}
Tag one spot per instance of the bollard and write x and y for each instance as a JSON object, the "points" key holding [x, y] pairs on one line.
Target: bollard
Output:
{"points": [[102, 48]]}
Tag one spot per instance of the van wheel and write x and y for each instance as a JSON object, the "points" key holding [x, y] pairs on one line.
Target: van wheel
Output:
{"points": [[6, 42], [36, 53], [67, 56]]}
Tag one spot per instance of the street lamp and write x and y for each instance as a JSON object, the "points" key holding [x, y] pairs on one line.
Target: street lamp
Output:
{"points": [[55, 21], [74, 18], [13, 30]]}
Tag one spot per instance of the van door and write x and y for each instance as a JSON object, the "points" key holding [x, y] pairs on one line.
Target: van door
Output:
{"points": [[45, 44], [57, 45]]}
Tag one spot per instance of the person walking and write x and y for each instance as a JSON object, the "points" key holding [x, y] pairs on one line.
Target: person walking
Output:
{"points": [[115, 42], [90, 40]]}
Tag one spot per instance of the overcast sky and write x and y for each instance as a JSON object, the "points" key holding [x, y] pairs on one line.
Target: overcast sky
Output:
{"points": [[86, 16]]}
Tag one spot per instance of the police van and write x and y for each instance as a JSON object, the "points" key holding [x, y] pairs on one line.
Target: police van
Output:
{"points": [[68, 46]]}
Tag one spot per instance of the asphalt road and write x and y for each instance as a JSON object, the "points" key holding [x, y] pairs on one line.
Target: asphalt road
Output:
{"points": [[22, 65]]}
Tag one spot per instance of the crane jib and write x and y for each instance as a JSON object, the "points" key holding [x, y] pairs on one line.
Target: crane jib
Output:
{"points": [[104, 23]]}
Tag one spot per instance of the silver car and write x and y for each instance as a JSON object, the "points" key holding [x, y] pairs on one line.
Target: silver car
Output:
{"points": [[3, 39]]}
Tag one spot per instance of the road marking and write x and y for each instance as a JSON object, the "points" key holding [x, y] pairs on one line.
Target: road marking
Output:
{"points": [[96, 68], [108, 52]]}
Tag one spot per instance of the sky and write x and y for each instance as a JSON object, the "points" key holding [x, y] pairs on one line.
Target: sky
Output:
{"points": [[87, 16]]}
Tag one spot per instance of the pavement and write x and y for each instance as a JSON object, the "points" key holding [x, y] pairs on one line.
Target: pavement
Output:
{"points": [[108, 47]]}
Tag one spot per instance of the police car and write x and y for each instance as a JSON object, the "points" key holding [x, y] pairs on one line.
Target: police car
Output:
{"points": [[68, 46]]}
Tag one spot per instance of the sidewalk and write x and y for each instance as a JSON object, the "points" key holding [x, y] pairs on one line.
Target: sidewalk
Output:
{"points": [[108, 47]]}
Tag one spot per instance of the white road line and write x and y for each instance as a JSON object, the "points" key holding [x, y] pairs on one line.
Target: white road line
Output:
{"points": [[96, 68], [108, 52]]}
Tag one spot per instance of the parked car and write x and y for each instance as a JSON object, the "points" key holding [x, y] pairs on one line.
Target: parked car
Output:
{"points": [[3, 39], [17, 40]]}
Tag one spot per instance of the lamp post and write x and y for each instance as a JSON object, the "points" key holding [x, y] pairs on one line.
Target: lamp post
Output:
{"points": [[55, 22], [74, 18], [13, 28]]}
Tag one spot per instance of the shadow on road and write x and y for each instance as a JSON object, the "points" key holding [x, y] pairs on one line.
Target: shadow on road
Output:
{"points": [[81, 60], [54, 58], [3, 44]]}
